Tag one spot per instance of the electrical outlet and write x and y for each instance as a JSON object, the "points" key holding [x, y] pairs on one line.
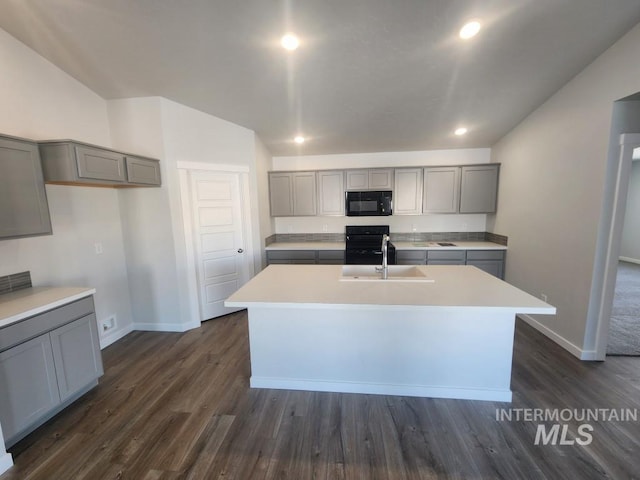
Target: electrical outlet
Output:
{"points": [[543, 297], [325, 228], [98, 247], [108, 323]]}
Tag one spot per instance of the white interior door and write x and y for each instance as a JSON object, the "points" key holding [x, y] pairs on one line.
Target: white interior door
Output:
{"points": [[222, 264]]}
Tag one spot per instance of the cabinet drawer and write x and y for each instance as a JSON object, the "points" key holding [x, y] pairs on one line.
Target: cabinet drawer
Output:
{"points": [[446, 262], [45, 322], [331, 256], [485, 255], [411, 257], [446, 255], [291, 255]]}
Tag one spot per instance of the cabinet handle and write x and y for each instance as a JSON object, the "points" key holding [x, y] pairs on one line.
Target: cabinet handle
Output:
{"points": [[240, 250]]}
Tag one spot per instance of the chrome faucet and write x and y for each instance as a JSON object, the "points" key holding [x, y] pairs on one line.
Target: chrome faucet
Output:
{"points": [[385, 257]]}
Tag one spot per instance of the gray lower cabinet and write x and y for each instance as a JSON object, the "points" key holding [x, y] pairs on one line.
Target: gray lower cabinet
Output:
{"points": [[446, 257], [331, 257], [308, 257], [491, 261], [23, 201], [68, 163], [29, 385], [291, 256], [411, 257], [46, 362]]}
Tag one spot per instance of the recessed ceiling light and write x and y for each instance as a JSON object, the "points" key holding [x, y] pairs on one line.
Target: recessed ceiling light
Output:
{"points": [[460, 131], [289, 41], [299, 139], [470, 29]]}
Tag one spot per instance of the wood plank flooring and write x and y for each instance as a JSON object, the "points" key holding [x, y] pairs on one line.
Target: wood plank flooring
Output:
{"points": [[179, 406]]}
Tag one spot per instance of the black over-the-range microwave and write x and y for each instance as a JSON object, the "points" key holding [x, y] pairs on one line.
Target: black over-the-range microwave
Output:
{"points": [[371, 203]]}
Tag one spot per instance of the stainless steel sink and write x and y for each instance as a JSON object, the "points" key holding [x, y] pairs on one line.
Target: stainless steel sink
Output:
{"points": [[371, 273]]}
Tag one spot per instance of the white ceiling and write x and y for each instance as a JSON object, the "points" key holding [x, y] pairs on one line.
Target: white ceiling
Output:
{"points": [[370, 75]]}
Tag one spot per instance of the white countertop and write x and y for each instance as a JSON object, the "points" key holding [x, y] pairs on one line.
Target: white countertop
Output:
{"points": [[459, 245], [318, 286], [16, 306]]}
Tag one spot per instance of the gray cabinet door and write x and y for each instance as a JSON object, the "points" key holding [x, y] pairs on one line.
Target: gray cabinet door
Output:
{"points": [[381, 179], [23, 201], [331, 192], [143, 171], [494, 267], [304, 193], [28, 385], [479, 189], [99, 164], [441, 190], [76, 351], [281, 194], [357, 179], [407, 191]]}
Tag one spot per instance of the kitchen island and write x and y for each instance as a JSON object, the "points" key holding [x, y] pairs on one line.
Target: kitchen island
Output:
{"points": [[436, 331]]}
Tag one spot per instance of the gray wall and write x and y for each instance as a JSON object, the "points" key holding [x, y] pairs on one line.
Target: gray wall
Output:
{"points": [[552, 189]]}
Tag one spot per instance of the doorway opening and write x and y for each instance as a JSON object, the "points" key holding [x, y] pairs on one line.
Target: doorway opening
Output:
{"points": [[624, 326]]}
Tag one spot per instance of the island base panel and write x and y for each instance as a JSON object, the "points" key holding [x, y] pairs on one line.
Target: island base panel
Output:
{"points": [[453, 353]]}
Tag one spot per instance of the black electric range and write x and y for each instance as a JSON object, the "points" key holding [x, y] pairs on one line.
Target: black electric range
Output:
{"points": [[364, 245]]}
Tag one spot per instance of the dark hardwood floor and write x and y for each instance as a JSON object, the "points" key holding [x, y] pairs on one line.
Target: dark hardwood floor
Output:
{"points": [[179, 406]]}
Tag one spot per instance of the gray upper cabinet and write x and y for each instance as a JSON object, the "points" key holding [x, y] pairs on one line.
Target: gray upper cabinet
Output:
{"points": [[23, 201], [381, 179], [441, 189], [292, 194], [479, 189], [98, 164], [331, 192], [304, 193], [281, 194], [370, 179], [73, 163], [142, 170], [407, 191]]}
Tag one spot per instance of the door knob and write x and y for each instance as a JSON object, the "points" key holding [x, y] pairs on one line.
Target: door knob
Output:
{"points": [[240, 250]]}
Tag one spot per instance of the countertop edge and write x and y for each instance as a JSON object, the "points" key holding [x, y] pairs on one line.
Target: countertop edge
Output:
{"points": [[400, 245], [358, 306], [7, 321]]}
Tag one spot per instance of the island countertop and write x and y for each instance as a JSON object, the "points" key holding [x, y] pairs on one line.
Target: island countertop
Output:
{"points": [[28, 302], [319, 286]]}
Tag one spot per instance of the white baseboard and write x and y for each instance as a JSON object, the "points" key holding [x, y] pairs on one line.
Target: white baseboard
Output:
{"points": [[559, 339], [115, 336], [166, 327], [382, 389], [6, 462], [629, 259]]}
